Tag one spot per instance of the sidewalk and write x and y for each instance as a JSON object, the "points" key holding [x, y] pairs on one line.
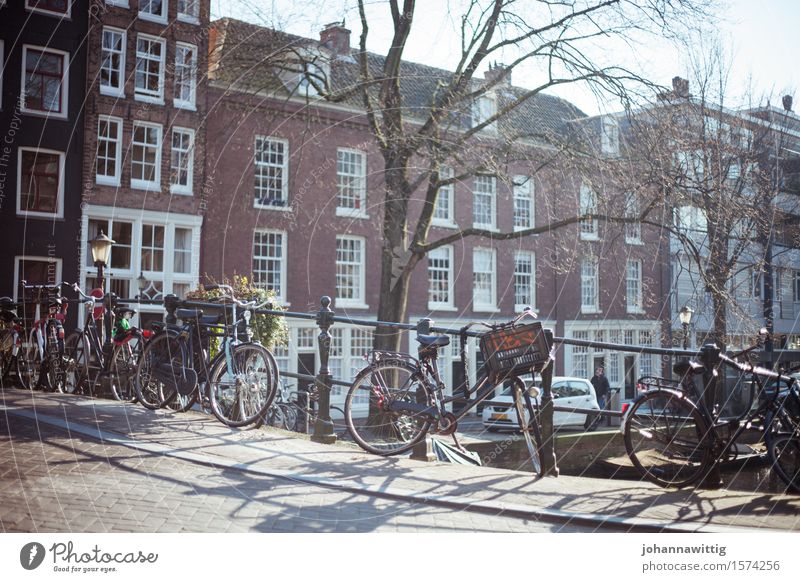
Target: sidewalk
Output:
{"points": [[195, 437]]}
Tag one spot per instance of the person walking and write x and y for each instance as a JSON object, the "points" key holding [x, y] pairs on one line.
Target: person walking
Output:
{"points": [[601, 389]]}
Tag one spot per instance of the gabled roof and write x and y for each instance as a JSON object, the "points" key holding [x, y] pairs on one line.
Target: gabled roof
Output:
{"points": [[252, 58]]}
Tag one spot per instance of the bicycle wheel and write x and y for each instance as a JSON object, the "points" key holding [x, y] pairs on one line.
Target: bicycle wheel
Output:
{"points": [[242, 394], [122, 373], [527, 425], [161, 358], [666, 439], [28, 363], [77, 367], [784, 454], [289, 417], [367, 408]]}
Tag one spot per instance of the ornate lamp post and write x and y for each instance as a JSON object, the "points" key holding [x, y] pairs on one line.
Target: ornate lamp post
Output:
{"points": [[101, 253], [685, 315]]}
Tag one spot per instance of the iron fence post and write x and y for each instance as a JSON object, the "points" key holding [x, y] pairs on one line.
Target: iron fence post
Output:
{"points": [[323, 427], [548, 453], [423, 450], [710, 353]]}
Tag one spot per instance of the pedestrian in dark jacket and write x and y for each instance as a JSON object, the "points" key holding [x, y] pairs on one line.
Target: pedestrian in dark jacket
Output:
{"points": [[601, 390]]}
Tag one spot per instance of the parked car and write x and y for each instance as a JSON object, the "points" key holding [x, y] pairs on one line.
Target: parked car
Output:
{"points": [[567, 392]]}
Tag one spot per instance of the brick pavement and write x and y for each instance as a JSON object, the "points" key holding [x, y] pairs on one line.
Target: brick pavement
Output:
{"points": [[573, 501]]}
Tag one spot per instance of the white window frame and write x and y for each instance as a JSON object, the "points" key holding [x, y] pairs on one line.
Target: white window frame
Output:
{"points": [[491, 305], [281, 292], [448, 208], [587, 204], [61, 179], [518, 307], [283, 167], [136, 183], [633, 230], [105, 179], [191, 102], [56, 13], [184, 189], [160, 18], [57, 261], [64, 82], [360, 208], [107, 89], [188, 16], [485, 107], [120, 3], [590, 282], [359, 299], [492, 195], [634, 296], [448, 305], [523, 191], [313, 69], [144, 94], [609, 136]]}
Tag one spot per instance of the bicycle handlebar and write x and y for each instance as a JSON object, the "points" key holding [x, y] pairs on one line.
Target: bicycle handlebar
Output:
{"points": [[239, 303]]}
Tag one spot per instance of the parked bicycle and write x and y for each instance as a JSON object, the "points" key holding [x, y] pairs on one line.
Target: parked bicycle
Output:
{"points": [[176, 369], [10, 328], [675, 440], [111, 360], [397, 399], [297, 411]]}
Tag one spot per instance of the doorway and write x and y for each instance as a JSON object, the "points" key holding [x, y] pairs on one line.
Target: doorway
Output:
{"points": [[630, 377]]}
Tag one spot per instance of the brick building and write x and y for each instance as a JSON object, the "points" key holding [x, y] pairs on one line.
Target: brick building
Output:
{"points": [[143, 171], [297, 203]]}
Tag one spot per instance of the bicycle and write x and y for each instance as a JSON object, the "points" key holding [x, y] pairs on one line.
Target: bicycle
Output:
{"points": [[9, 335], [46, 358], [397, 399], [296, 411], [674, 440], [114, 360], [238, 383]]}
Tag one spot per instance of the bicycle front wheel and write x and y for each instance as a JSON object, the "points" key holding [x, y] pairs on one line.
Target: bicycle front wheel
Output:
{"points": [[28, 363], [161, 362], [242, 393], [784, 454], [667, 439], [123, 368], [385, 408], [77, 370]]}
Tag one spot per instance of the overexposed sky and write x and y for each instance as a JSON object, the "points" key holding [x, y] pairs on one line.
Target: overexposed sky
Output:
{"points": [[759, 37]]}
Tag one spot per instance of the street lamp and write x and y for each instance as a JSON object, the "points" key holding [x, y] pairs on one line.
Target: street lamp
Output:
{"points": [[685, 315], [141, 282], [101, 253]]}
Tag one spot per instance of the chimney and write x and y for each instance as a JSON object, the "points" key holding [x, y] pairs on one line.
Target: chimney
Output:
{"points": [[495, 71], [787, 102], [336, 38], [680, 87]]}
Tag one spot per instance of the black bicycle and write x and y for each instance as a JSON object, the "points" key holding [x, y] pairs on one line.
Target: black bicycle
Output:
{"points": [[674, 439], [397, 399]]}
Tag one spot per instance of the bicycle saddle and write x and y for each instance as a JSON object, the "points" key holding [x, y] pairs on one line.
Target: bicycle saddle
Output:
{"points": [[436, 341]]}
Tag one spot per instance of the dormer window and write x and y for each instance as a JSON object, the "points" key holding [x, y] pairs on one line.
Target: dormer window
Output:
{"points": [[483, 109], [609, 137], [312, 76]]}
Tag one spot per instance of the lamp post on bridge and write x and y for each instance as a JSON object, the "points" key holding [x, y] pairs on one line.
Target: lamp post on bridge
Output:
{"points": [[685, 316]]}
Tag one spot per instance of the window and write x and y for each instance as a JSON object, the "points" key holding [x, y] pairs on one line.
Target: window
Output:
{"points": [[44, 81], [360, 345], [181, 161], [185, 75], [633, 286], [484, 296], [351, 174], [443, 212], [182, 248], [350, 271], [312, 74], [440, 278], [155, 10], [112, 62], [589, 286], [484, 108], [269, 261], [691, 219], [609, 137], [633, 230], [645, 360], [690, 165], [524, 280], [152, 248], [109, 151], [580, 355], [150, 53], [588, 206], [189, 10], [272, 171], [60, 8], [484, 200], [40, 182], [146, 156], [523, 203], [36, 271]]}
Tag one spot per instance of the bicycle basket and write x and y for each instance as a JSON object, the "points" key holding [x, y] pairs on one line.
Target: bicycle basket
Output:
{"points": [[515, 349]]}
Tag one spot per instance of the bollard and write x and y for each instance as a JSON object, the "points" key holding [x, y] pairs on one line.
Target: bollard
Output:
{"points": [[548, 452], [710, 353], [323, 427], [423, 450], [171, 303]]}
